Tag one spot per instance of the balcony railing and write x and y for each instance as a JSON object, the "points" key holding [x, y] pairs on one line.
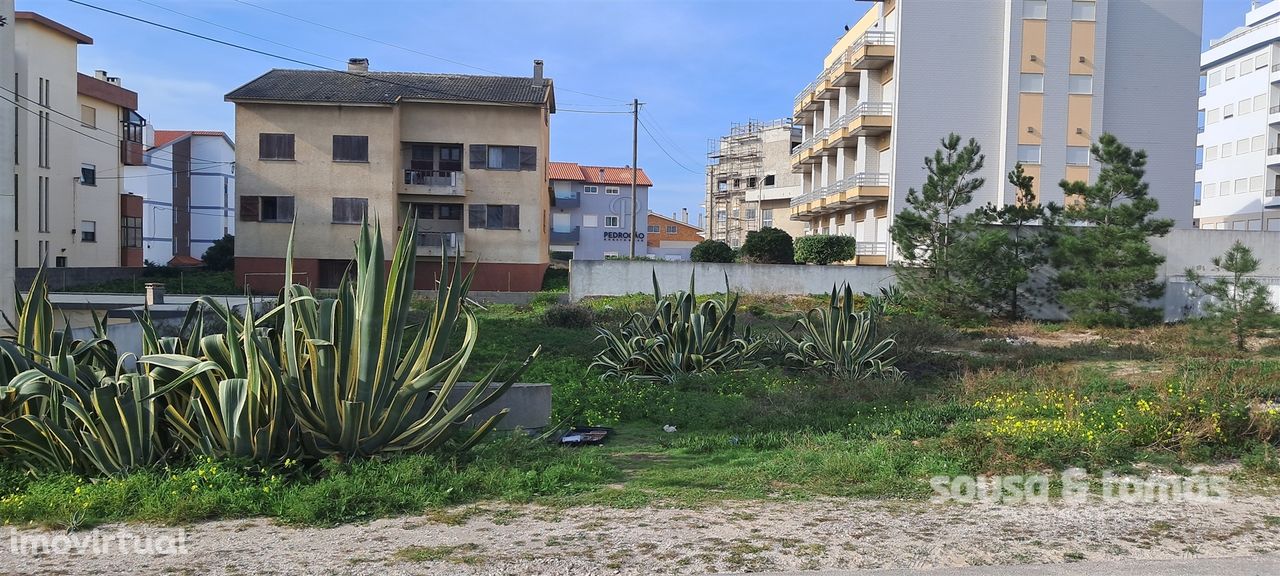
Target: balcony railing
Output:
{"points": [[1272, 151], [871, 248], [870, 38], [1272, 193], [444, 182], [873, 109], [1199, 165], [562, 200], [434, 240], [1200, 128], [563, 235], [1204, 91]]}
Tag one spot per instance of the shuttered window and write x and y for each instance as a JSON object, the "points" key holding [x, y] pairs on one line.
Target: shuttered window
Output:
{"points": [[350, 148], [250, 208], [494, 216], [350, 210], [275, 146], [491, 157], [266, 208]]}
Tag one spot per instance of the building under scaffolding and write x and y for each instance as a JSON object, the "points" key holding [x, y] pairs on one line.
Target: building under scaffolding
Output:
{"points": [[749, 180]]}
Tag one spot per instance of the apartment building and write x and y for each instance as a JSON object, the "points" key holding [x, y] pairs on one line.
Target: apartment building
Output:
{"points": [[1239, 141], [750, 183], [591, 210], [321, 149], [1034, 81], [672, 238], [8, 152], [75, 135], [188, 193]]}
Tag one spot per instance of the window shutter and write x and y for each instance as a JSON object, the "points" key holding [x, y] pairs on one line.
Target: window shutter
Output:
{"points": [[511, 216], [479, 154], [284, 209], [476, 213], [250, 208], [287, 147], [528, 158], [340, 210]]}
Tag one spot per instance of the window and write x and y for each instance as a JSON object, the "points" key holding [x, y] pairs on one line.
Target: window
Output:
{"points": [[1245, 106], [350, 148], [612, 222], [275, 146], [1028, 154], [655, 229], [88, 116], [494, 216], [1032, 82], [1225, 150], [1210, 190], [489, 157], [1035, 9], [451, 158], [1261, 61], [590, 189], [751, 182], [751, 214], [1213, 116], [350, 210], [1242, 146], [721, 216], [449, 212], [1258, 143], [130, 232], [1077, 155], [766, 218], [590, 220], [1260, 102], [1083, 10], [672, 229], [1228, 111], [88, 175], [1080, 84], [1246, 66], [266, 208], [60, 261], [1230, 73], [88, 231], [768, 180], [1255, 184], [1242, 185], [1210, 153], [1215, 78], [42, 205], [611, 190]]}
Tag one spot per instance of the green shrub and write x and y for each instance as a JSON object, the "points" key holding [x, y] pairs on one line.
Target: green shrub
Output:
{"points": [[711, 251], [569, 316], [221, 256], [824, 249], [843, 342], [768, 246]]}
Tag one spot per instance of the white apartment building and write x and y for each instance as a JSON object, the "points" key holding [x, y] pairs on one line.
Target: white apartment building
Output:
{"points": [[189, 193], [1239, 142], [8, 150], [1034, 81]]}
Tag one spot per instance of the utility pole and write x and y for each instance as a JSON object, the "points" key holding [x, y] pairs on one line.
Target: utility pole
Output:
{"points": [[635, 142]]}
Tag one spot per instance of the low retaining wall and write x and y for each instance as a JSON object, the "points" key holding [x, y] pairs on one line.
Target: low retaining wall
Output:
{"points": [[63, 279], [620, 277], [530, 406]]}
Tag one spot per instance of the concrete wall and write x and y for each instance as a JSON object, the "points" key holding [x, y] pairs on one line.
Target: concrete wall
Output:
{"points": [[66, 279], [619, 277], [8, 194]]}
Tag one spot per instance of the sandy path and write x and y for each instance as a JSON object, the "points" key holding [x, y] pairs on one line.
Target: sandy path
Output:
{"points": [[739, 537]]}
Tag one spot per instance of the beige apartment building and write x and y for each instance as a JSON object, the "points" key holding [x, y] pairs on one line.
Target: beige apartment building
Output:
{"points": [[750, 183], [318, 150], [75, 134], [8, 149], [1034, 81]]}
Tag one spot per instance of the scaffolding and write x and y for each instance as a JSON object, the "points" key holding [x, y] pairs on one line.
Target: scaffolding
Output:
{"points": [[733, 167]]}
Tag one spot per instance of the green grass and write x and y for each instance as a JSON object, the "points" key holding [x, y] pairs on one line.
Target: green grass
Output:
{"points": [[982, 407]]}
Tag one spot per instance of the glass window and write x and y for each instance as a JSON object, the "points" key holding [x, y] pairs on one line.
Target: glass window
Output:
{"points": [[1261, 61], [88, 231], [1230, 72], [1242, 185], [1213, 116], [612, 222], [1258, 143], [1210, 190], [1210, 153], [610, 189], [1228, 111], [1035, 9], [276, 209], [590, 189], [1078, 155], [1028, 154], [655, 229], [1225, 150], [1255, 184], [1080, 84], [350, 148], [671, 229], [1032, 82], [590, 220], [503, 158], [131, 232], [1083, 10], [1259, 102], [1215, 78], [275, 146], [1242, 146], [350, 210], [88, 175]]}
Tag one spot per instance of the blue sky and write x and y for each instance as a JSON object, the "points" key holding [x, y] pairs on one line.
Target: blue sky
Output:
{"points": [[698, 65]]}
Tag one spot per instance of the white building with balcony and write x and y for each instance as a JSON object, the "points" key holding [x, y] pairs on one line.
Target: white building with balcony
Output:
{"points": [[1033, 81], [1238, 172]]}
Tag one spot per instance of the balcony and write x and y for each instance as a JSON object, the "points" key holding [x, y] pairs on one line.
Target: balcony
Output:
{"points": [[1273, 156], [872, 51], [850, 191], [430, 242], [565, 235], [1271, 200], [871, 118], [871, 253], [433, 182], [568, 199]]}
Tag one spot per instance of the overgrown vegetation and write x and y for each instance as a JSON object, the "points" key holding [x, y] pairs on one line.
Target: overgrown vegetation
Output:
{"points": [[711, 251], [824, 249], [1237, 303], [768, 246]]}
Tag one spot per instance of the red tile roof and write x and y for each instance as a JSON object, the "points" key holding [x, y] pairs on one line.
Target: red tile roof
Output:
{"points": [[596, 174], [183, 260], [164, 137]]}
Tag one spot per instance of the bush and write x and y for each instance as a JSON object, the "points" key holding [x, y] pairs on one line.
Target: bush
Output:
{"points": [[768, 246], [711, 251], [569, 316], [221, 256], [824, 249]]}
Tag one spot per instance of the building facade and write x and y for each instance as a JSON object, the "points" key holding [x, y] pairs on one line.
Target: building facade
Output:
{"points": [[671, 238], [1034, 81], [8, 151], [750, 183], [189, 193], [1239, 142], [75, 135], [591, 210], [321, 149]]}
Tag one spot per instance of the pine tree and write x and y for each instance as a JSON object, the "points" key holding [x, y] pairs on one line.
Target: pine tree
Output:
{"points": [[1238, 302], [1106, 267], [1005, 249], [928, 230]]}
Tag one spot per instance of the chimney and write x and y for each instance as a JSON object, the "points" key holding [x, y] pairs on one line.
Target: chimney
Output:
{"points": [[684, 215], [100, 74], [155, 293], [537, 73], [113, 80], [357, 64]]}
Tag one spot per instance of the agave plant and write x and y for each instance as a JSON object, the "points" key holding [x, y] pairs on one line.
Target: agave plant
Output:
{"points": [[843, 342], [681, 336]]}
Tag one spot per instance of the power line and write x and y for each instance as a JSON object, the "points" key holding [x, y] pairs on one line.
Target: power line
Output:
{"points": [[212, 23], [593, 111], [407, 49], [664, 150], [663, 133]]}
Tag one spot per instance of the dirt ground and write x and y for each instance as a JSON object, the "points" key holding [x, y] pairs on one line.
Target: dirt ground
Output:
{"points": [[739, 537]]}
